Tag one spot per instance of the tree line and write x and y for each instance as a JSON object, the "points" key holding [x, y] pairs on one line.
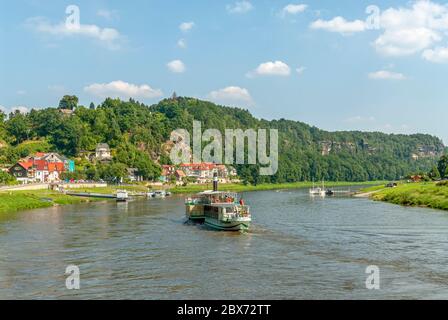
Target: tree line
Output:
{"points": [[137, 134]]}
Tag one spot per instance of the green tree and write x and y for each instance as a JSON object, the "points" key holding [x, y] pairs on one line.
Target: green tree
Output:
{"points": [[114, 172], [443, 166], [6, 178], [2, 124], [434, 174], [68, 102], [18, 127], [66, 138]]}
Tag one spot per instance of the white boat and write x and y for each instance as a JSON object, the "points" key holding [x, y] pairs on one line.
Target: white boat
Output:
{"points": [[219, 210], [228, 217], [122, 195], [159, 194], [318, 191]]}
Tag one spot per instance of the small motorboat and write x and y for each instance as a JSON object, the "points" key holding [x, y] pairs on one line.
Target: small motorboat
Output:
{"points": [[318, 191], [159, 194], [122, 195]]}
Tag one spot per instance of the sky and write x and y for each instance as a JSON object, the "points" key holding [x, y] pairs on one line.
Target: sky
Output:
{"points": [[338, 65]]}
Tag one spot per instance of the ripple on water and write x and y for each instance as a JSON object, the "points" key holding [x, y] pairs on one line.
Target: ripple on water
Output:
{"points": [[298, 247]]}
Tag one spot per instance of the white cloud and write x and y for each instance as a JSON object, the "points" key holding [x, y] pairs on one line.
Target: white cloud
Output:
{"points": [[437, 55], [108, 36], [340, 25], [412, 29], [276, 68], [360, 119], [181, 43], [121, 89], [176, 66], [300, 70], [231, 95], [186, 26], [405, 41], [240, 7], [294, 8], [386, 75], [21, 109], [21, 92]]}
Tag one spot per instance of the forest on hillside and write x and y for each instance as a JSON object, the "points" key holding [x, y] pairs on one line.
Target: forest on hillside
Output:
{"points": [[137, 134]]}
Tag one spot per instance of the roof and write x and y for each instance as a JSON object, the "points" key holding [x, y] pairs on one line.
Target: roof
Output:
{"points": [[180, 173], [26, 165], [41, 165], [211, 192], [102, 146], [199, 166], [56, 166], [57, 155]]}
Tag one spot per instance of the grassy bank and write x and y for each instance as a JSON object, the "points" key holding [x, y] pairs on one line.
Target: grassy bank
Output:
{"points": [[263, 187], [13, 201], [112, 189], [428, 194]]}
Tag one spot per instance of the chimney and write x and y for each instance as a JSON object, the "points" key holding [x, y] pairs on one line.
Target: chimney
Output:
{"points": [[215, 181]]}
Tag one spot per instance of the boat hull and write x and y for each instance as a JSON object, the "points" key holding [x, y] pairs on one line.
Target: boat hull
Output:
{"points": [[233, 225]]}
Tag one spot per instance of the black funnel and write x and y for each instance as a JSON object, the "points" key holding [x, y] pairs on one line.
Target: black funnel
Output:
{"points": [[215, 181]]}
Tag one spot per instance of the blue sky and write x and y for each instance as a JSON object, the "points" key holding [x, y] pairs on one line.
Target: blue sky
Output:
{"points": [[320, 62]]}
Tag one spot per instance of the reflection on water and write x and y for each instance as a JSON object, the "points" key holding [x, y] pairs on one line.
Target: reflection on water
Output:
{"points": [[299, 247]]}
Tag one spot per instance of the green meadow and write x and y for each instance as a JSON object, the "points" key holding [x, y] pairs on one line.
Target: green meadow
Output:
{"points": [[426, 194]]}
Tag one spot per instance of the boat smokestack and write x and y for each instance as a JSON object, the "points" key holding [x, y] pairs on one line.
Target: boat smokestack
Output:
{"points": [[215, 181]]}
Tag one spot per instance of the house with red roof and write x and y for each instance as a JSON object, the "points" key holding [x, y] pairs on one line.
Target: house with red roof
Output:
{"points": [[43, 167], [45, 171], [200, 172], [20, 172]]}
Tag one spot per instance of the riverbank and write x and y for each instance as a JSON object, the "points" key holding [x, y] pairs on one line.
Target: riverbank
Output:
{"points": [[425, 194], [12, 201], [17, 200], [268, 186]]}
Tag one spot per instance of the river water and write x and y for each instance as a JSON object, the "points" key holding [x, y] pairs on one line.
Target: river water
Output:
{"points": [[299, 248]]}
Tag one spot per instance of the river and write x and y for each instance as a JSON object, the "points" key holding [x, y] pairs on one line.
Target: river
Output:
{"points": [[298, 248]]}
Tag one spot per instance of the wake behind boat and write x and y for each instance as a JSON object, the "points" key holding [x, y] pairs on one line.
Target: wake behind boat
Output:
{"points": [[219, 210]]}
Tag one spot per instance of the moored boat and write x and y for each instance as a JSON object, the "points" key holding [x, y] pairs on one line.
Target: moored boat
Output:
{"points": [[159, 194], [318, 191], [122, 195]]}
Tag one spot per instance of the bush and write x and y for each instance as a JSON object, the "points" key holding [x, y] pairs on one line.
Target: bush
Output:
{"points": [[442, 183], [6, 178]]}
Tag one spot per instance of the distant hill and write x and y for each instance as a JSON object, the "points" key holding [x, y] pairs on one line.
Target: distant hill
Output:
{"points": [[133, 130]]}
